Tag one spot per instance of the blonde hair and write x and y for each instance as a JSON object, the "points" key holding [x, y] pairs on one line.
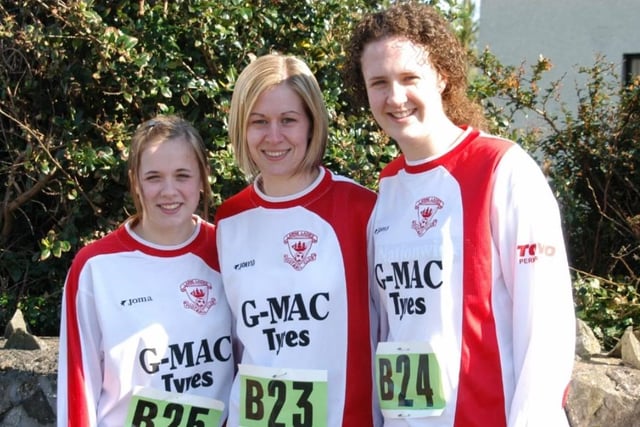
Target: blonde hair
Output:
{"points": [[262, 74], [160, 129]]}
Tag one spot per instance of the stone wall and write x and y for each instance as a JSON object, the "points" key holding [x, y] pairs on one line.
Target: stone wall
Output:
{"points": [[604, 391], [28, 385]]}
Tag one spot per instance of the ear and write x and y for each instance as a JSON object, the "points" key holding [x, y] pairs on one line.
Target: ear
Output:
{"points": [[442, 84]]}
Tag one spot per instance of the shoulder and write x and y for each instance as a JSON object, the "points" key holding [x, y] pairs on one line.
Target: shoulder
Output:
{"points": [[482, 143], [349, 184], [478, 155], [235, 204], [109, 244], [352, 189], [393, 168], [509, 154], [205, 246], [207, 231], [206, 226]]}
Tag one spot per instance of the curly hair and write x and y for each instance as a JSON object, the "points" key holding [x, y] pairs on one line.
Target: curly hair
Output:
{"points": [[424, 26]]}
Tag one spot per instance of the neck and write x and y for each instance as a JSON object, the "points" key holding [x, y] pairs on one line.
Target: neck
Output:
{"points": [[280, 186], [167, 236], [434, 144]]}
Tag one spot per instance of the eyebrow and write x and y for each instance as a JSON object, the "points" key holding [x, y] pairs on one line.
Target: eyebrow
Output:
{"points": [[153, 171], [402, 73], [375, 78], [282, 113]]}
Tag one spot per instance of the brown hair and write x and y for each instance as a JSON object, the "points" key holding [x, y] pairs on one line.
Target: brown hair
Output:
{"points": [[424, 26], [157, 130]]}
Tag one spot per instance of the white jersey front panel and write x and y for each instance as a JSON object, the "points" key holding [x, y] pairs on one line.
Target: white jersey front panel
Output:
{"points": [[174, 352], [286, 292], [138, 315], [417, 272], [296, 274]]}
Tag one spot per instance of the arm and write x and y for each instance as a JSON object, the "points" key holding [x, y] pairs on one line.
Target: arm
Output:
{"points": [[528, 233], [379, 326], [79, 367], [377, 318]]}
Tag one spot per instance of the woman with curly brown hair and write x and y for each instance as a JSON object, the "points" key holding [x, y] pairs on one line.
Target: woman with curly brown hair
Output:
{"points": [[469, 260]]}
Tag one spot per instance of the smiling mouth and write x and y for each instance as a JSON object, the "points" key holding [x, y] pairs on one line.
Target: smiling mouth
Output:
{"points": [[275, 154], [401, 114], [170, 206]]}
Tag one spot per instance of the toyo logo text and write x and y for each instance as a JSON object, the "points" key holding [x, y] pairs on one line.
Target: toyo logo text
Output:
{"points": [[531, 252]]}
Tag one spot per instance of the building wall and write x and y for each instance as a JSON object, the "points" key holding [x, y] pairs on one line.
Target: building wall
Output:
{"points": [[571, 33]]}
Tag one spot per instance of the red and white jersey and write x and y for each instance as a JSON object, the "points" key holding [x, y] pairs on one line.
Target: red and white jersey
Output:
{"points": [[295, 273], [470, 267], [135, 314]]}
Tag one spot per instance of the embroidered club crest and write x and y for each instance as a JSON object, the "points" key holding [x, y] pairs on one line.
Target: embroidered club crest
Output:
{"points": [[299, 244], [426, 209], [198, 293]]}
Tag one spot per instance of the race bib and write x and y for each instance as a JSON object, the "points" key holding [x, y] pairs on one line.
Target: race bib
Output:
{"points": [[157, 408], [409, 380], [282, 397]]}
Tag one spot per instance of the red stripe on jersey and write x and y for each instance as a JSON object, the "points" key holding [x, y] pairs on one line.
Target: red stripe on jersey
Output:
{"points": [[76, 403], [481, 400], [348, 212], [77, 410]]}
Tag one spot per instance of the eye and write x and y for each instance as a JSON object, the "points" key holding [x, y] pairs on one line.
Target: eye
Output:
{"points": [[287, 120], [377, 83]]}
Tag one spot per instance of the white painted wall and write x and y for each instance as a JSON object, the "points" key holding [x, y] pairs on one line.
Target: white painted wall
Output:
{"points": [[568, 32]]}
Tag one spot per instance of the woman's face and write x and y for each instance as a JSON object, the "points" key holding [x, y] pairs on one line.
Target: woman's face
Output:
{"points": [[169, 185], [404, 90], [278, 134]]}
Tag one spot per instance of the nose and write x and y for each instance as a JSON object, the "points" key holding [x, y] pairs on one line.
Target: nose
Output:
{"points": [[274, 133], [169, 186], [397, 94]]}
